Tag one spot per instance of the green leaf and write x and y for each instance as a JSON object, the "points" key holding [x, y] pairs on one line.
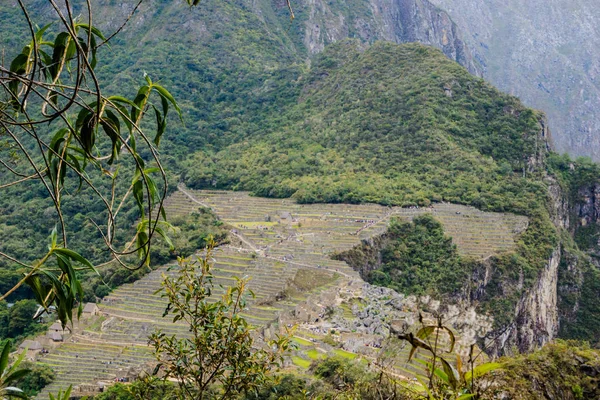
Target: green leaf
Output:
{"points": [[19, 64], [58, 55], [123, 100], [112, 128], [16, 375], [425, 331], [95, 30], [482, 369], [139, 101], [74, 256], [40, 291], [94, 60], [442, 375], [138, 194], [164, 93], [4, 357], [15, 392], [452, 338], [161, 125], [453, 377], [39, 34], [53, 238], [166, 237]]}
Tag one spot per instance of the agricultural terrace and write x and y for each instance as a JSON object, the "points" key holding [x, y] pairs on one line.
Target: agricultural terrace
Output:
{"points": [[271, 241], [277, 227]]}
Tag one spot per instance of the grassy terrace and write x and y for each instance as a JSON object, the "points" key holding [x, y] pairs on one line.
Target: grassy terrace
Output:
{"points": [[317, 229], [271, 240]]}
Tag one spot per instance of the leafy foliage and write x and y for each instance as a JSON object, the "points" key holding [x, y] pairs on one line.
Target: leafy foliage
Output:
{"points": [[446, 379], [377, 126], [16, 322], [51, 85], [218, 360], [420, 259], [141, 389], [38, 377], [562, 370], [10, 374]]}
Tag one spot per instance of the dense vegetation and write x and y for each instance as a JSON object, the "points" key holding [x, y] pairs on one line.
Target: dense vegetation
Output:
{"points": [[389, 124], [416, 258], [398, 125], [561, 370], [564, 370], [579, 287], [16, 321], [39, 376]]}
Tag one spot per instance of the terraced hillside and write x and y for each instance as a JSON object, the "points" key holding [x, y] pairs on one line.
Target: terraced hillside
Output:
{"points": [[280, 227], [271, 241]]}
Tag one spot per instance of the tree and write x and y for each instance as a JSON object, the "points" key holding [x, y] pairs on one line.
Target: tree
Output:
{"points": [[61, 134], [20, 321], [219, 359], [39, 376]]}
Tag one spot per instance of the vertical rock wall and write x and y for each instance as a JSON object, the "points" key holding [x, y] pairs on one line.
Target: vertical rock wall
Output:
{"points": [[398, 21]]}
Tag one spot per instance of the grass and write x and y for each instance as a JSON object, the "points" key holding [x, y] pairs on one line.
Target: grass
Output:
{"points": [[345, 354], [301, 362], [253, 224], [314, 354], [323, 226], [302, 342]]}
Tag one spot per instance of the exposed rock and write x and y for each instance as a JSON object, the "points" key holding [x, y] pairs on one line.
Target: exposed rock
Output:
{"points": [[544, 52], [398, 21], [587, 208], [536, 314], [381, 308]]}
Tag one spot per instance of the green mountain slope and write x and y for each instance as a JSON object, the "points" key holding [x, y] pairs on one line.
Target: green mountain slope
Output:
{"points": [[393, 125], [403, 125], [386, 123]]}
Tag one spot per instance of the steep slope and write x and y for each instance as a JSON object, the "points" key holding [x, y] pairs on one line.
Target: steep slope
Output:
{"points": [[402, 125], [391, 124], [232, 65], [398, 21], [231, 62], [396, 125], [545, 52]]}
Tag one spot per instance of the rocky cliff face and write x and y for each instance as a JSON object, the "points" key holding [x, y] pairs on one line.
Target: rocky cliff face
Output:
{"points": [[398, 21], [536, 314], [587, 208], [546, 53], [564, 288]]}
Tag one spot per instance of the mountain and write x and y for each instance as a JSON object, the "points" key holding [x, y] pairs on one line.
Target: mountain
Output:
{"points": [[544, 52], [232, 65], [403, 125], [286, 108]]}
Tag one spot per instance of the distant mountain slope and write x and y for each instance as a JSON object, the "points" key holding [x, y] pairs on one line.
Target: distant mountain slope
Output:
{"points": [[545, 52]]}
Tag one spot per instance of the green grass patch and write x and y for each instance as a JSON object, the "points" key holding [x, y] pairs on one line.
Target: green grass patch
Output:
{"points": [[314, 354], [301, 362], [301, 341], [345, 354]]}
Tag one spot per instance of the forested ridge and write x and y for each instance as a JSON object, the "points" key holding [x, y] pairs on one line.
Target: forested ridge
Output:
{"points": [[397, 125], [385, 123]]}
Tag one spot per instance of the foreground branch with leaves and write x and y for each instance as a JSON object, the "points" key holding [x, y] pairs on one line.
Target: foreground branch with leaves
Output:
{"points": [[219, 359], [62, 135], [446, 380]]}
